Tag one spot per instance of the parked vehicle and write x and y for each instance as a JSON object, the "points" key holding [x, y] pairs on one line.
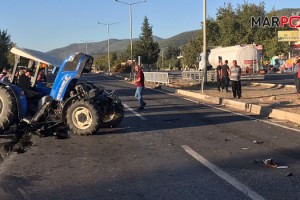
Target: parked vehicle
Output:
{"points": [[247, 56], [80, 106]]}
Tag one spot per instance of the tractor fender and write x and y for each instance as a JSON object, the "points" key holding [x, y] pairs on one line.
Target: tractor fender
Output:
{"points": [[66, 105], [20, 99]]}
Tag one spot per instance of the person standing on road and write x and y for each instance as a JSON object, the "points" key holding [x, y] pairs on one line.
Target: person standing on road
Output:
{"points": [[297, 76], [235, 77], [225, 76], [219, 75], [140, 84]]}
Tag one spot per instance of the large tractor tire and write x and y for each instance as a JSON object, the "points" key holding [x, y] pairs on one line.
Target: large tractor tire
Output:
{"points": [[114, 116], [8, 108], [83, 117]]}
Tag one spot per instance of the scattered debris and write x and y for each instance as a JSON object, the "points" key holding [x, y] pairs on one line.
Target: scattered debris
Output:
{"points": [[245, 148], [282, 167], [257, 142], [269, 163], [227, 140], [289, 174]]}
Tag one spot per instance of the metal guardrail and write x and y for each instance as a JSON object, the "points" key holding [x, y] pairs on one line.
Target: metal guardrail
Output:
{"points": [[198, 75], [157, 77], [212, 75]]}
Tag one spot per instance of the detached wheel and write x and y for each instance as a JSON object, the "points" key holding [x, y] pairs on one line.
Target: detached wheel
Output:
{"points": [[83, 118], [8, 106], [114, 116]]}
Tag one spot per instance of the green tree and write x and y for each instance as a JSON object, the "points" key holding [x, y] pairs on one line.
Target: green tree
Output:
{"points": [[170, 57], [113, 58], [5, 45], [192, 50], [146, 47], [228, 24], [101, 62], [233, 27]]}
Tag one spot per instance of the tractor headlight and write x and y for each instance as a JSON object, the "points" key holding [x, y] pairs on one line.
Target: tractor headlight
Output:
{"points": [[22, 93]]}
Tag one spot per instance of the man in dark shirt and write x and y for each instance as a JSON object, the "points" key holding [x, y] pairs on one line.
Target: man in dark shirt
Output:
{"points": [[140, 84], [24, 81], [225, 76], [219, 75]]}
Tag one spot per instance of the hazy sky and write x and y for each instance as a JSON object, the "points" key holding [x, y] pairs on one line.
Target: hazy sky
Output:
{"points": [[48, 24]]}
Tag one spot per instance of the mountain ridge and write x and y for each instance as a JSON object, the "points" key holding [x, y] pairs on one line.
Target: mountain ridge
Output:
{"points": [[97, 48]]}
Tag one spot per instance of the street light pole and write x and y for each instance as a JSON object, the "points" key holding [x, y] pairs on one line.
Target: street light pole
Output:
{"points": [[86, 51], [204, 46], [108, 25], [130, 15]]}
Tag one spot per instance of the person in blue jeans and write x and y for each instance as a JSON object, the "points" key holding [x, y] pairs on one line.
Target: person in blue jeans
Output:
{"points": [[140, 84]]}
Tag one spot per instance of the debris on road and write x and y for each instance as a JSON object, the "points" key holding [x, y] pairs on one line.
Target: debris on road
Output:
{"points": [[282, 167], [245, 148], [269, 163], [257, 142], [289, 174]]}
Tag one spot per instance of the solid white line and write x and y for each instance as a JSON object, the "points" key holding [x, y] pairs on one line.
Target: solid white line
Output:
{"points": [[135, 113], [225, 176]]}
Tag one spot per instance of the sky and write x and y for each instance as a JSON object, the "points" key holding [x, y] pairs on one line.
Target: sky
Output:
{"points": [[49, 24]]}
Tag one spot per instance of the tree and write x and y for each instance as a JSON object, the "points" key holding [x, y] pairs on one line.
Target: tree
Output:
{"points": [[233, 27], [101, 62], [5, 45], [192, 50], [170, 57], [146, 47]]}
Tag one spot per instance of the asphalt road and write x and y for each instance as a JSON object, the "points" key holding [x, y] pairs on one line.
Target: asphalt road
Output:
{"points": [[175, 149]]}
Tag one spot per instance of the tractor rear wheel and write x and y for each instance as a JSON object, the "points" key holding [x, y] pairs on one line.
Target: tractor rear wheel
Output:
{"points": [[8, 108], [83, 117], [114, 116]]}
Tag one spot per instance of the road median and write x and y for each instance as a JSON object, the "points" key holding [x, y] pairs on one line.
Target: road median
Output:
{"points": [[238, 104]]}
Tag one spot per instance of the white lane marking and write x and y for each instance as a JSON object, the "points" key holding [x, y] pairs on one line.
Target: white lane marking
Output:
{"points": [[243, 115], [225, 176], [135, 113]]}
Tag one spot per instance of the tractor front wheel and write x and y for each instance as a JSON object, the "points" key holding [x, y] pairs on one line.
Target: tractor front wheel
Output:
{"points": [[83, 117]]}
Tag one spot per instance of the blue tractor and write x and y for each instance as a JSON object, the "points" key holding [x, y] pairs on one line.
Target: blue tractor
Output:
{"points": [[78, 105]]}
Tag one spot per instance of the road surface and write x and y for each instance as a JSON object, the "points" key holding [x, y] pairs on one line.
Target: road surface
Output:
{"points": [[175, 149]]}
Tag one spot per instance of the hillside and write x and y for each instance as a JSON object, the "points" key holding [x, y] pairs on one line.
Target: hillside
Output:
{"points": [[288, 12], [96, 48], [178, 40]]}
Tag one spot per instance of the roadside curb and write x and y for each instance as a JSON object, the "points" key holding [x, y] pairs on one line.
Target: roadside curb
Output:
{"points": [[247, 107], [272, 85]]}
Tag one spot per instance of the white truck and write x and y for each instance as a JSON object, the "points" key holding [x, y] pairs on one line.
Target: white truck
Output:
{"points": [[247, 57]]}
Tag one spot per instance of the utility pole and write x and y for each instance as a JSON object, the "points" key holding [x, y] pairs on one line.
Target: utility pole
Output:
{"points": [[130, 19], [108, 59], [204, 47]]}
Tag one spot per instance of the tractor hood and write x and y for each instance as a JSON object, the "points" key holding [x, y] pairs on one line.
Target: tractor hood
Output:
{"points": [[36, 56]]}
